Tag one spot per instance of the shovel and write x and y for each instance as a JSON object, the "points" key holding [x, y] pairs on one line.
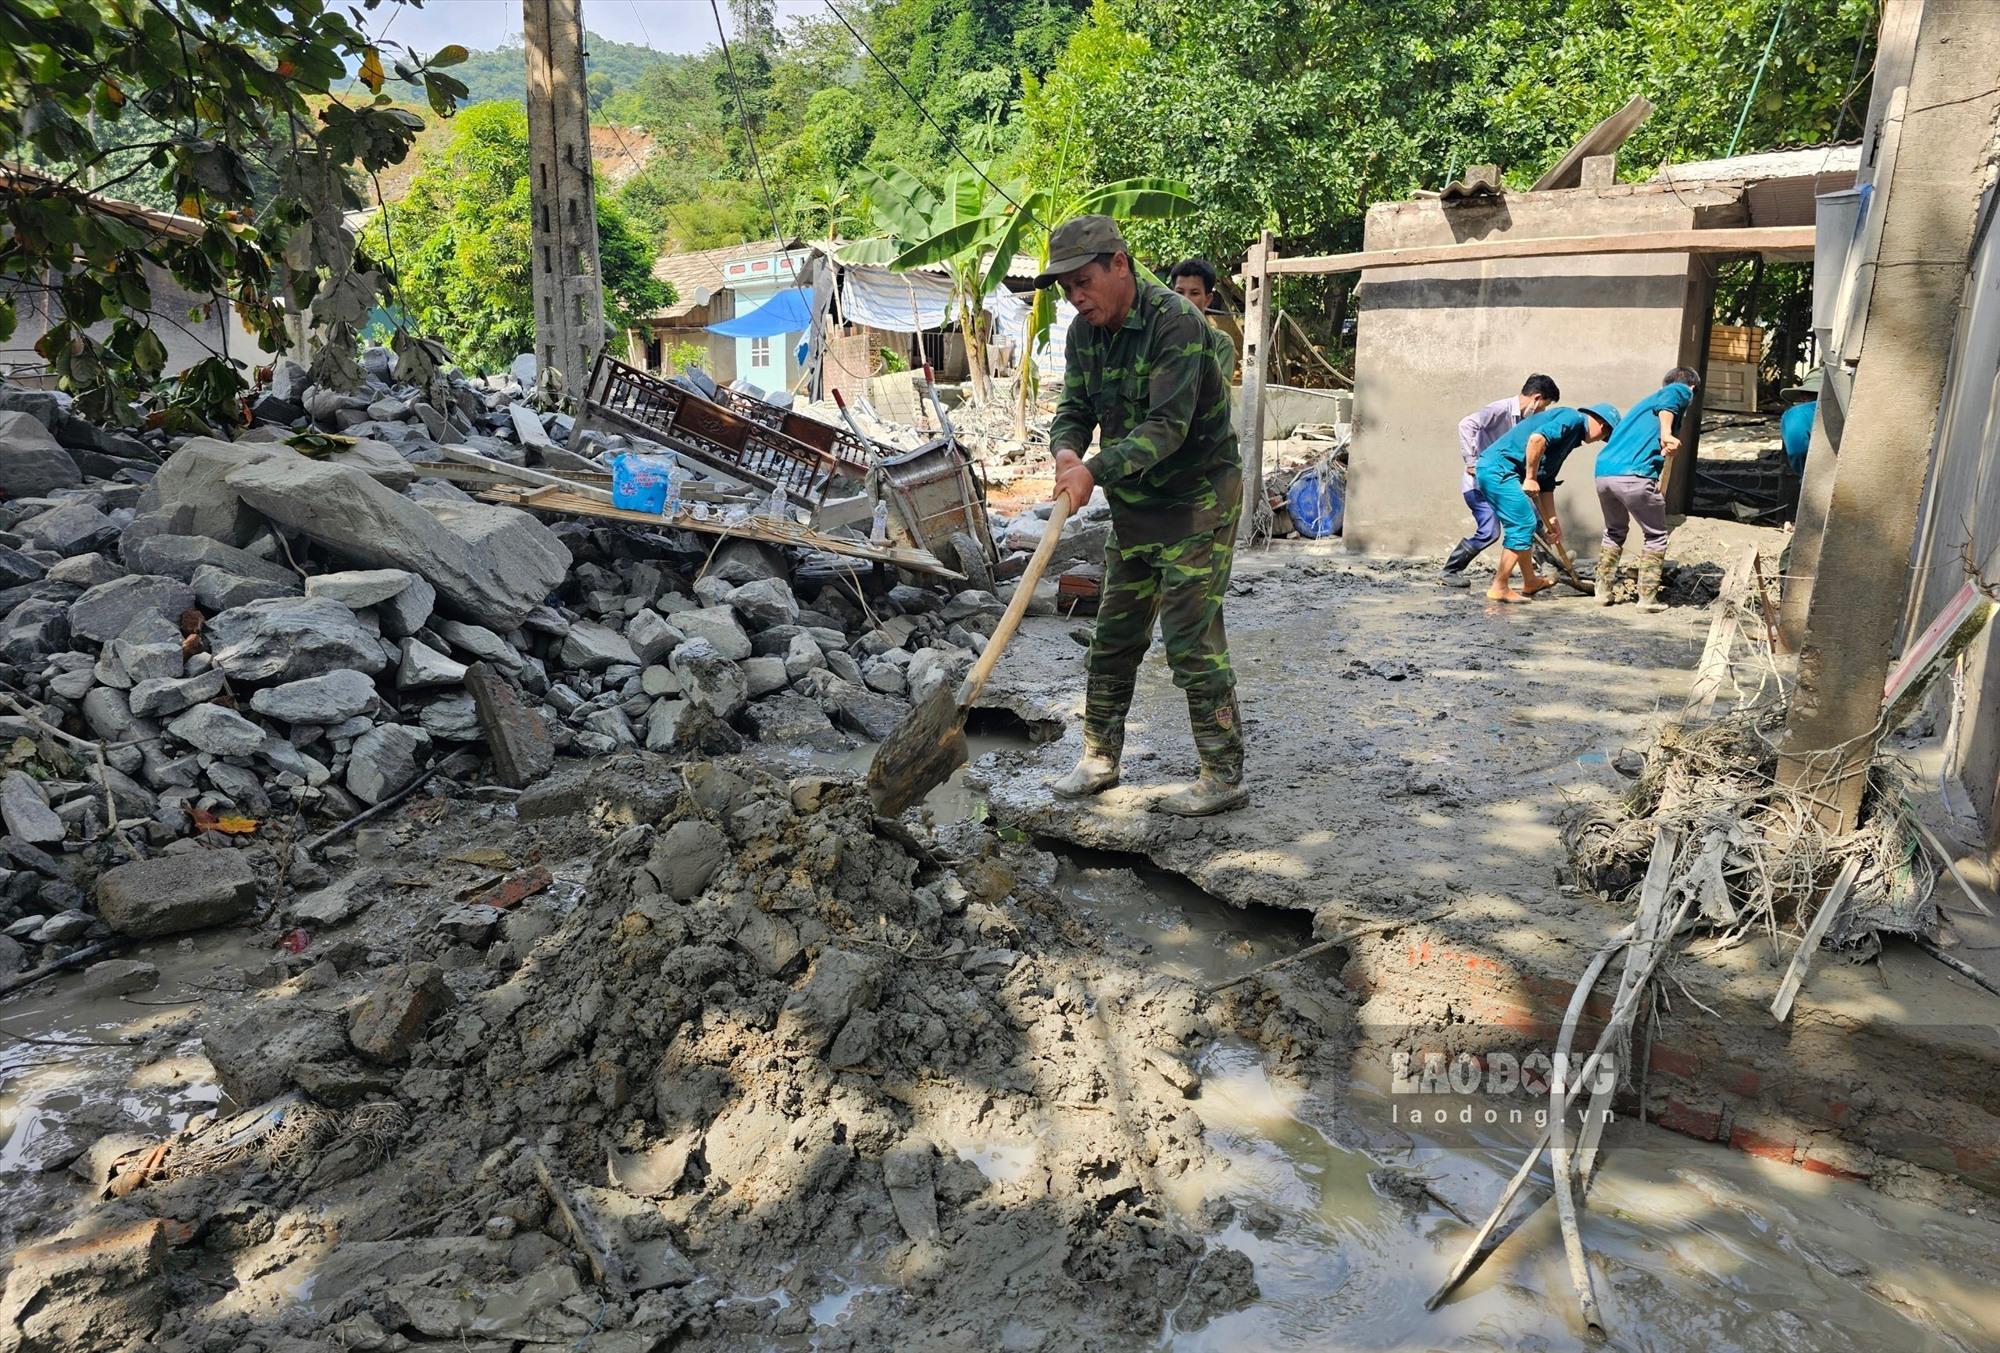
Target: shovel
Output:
{"points": [[929, 744]]}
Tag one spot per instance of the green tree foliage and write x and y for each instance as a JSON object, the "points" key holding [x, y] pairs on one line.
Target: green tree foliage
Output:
{"points": [[501, 74], [230, 110], [460, 244]]}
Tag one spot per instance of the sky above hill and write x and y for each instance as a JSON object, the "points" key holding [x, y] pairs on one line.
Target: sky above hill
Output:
{"points": [[666, 25]]}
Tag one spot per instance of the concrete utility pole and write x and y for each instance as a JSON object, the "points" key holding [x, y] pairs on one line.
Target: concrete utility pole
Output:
{"points": [[1935, 153], [568, 283], [1256, 329]]}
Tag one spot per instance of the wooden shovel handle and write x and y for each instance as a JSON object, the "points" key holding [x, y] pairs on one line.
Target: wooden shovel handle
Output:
{"points": [[1024, 591]]}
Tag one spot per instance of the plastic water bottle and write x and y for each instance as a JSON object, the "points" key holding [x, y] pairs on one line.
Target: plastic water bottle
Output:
{"points": [[672, 505], [777, 507], [878, 529]]}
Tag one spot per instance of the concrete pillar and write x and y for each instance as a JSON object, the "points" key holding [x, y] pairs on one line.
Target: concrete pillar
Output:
{"points": [[1256, 329], [568, 286], [1928, 200]]}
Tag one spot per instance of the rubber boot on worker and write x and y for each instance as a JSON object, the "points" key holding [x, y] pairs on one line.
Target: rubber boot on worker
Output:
{"points": [[1094, 772], [1218, 741], [1649, 583], [1462, 555], [1607, 574]]}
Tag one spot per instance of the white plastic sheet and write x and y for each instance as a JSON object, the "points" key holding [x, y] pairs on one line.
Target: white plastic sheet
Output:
{"points": [[897, 302], [1010, 321]]}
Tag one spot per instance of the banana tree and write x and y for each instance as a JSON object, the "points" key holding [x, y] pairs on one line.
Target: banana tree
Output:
{"points": [[1024, 219], [905, 212]]}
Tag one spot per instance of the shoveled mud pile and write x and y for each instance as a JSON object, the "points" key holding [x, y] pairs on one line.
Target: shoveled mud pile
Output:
{"points": [[778, 1060]]}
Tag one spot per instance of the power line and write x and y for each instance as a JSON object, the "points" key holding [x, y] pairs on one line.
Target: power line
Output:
{"points": [[750, 140], [925, 113]]}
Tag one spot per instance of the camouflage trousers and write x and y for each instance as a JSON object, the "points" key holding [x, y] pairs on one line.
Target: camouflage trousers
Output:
{"points": [[1179, 583]]}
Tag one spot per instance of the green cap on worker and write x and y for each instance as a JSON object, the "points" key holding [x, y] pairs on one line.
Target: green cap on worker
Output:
{"points": [[1604, 413], [1076, 242]]}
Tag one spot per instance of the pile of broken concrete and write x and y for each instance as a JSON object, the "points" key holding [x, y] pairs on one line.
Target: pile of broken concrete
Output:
{"points": [[201, 634]]}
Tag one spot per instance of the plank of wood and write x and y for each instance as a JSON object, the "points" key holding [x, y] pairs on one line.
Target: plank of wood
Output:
{"points": [[465, 455], [1726, 240], [1795, 975], [1963, 619], [1713, 669], [754, 528]]}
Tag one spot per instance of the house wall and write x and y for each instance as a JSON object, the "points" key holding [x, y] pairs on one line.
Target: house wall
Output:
{"points": [[187, 341], [1433, 343]]}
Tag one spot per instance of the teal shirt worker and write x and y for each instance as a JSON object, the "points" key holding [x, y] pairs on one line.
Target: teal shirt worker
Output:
{"points": [[1503, 467], [1634, 447], [1795, 430]]}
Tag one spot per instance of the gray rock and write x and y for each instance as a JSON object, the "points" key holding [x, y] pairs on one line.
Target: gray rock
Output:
{"points": [[72, 528], [170, 695], [452, 719], [190, 496], [712, 682], [84, 571], [517, 736], [33, 630], [17, 569], [473, 924], [396, 1013], [492, 564], [72, 685], [175, 893], [385, 759], [409, 610], [480, 642], [359, 588], [289, 638], [803, 656], [747, 561], [335, 904], [288, 379], [423, 666], [763, 675], [25, 809], [592, 648], [109, 714], [663, 724], [217, 731], [32, 462], [873, 715], [107, 610], [764, 603], [972, 602], [220, 591], [329, 699], [657, 681], [792, 719], [718, 627], [879, 674], [652, 636], [175, 556]]}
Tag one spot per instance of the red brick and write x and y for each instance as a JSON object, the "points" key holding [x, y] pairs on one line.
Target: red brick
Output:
{"points": [[1737, 1080], [1827, 1167], [1674, 1062], [1757, 1144], [1683, 1117]]}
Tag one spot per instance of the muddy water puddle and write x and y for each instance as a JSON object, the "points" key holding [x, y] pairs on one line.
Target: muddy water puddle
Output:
{"points": [[1692, 1245], [102, 1063]]}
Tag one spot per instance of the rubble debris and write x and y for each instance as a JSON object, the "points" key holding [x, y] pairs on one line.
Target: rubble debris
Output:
{"points": [[176, 893]]}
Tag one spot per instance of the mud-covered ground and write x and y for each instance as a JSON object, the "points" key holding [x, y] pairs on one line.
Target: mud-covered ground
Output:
{"points": [[754, 1069]]}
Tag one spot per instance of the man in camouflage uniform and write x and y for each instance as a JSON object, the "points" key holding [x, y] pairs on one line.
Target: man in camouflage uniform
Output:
{"points": [[1146, 371]]}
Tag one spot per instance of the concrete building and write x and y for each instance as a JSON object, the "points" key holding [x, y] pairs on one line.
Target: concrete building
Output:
{"points": [[1434, 342], [192, 328], [713, 285]]}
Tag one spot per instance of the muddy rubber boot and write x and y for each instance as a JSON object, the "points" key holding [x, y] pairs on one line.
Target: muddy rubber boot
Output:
{"points": [[1649, 583], [1607, 574], [1093, 774], [1462, 555], [1207, 795]]}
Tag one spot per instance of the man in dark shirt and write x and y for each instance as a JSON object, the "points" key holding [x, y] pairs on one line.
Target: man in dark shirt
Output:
{"points": [[1148, 374]]}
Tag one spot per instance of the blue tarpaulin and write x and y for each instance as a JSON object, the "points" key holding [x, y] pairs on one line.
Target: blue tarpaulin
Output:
{"points": [[788, 312]]}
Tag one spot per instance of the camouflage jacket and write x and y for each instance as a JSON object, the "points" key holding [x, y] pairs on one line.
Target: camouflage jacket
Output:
{"points": [[1156, 389]]}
